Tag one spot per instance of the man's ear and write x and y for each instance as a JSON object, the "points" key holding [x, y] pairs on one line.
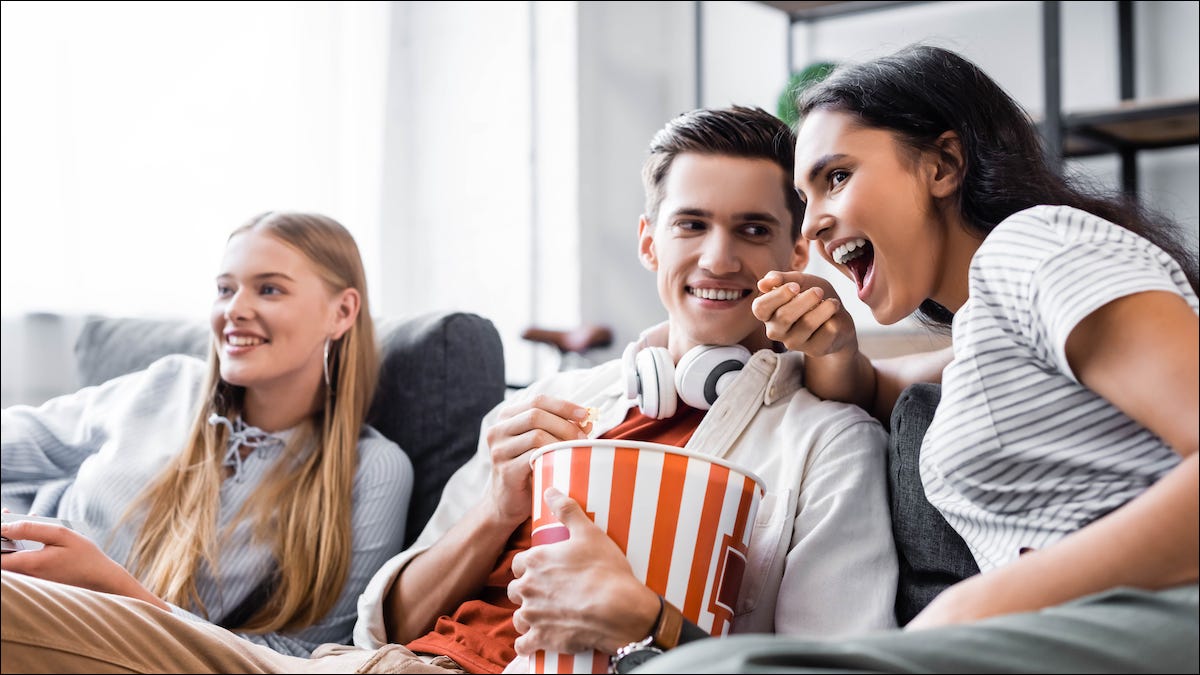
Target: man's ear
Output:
{"points": [[800, 254], [948, 165], [347, 304], [646, 244]]}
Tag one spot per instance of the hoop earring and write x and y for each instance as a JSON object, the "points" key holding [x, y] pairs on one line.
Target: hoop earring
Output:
{"points": [[325, 362]]}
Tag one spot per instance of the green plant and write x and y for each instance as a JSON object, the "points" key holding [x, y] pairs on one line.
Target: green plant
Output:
{"points": [[796, 84]]}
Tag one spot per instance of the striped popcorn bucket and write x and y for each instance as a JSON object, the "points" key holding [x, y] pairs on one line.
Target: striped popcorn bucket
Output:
{"points": [[683, 520]]}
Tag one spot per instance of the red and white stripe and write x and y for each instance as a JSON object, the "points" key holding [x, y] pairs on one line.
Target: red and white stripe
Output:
{"points": [[636, 492]]}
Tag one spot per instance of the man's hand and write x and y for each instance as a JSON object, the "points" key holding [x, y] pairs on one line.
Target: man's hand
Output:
{"points": [[580, 593], [69, 557], [521, 427]]}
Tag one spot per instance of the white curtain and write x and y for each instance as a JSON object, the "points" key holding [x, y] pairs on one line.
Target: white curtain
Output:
{"points": [[136, 136]]}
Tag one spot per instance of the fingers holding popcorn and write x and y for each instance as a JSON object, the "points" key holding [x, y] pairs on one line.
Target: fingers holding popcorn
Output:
{"points": [[804, 313], [522, 426]]}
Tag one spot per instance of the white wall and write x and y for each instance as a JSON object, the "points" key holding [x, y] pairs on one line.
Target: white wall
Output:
{"points": [[745, 56], [457, 163], [514, 134], [136, 135], [635, 73]]}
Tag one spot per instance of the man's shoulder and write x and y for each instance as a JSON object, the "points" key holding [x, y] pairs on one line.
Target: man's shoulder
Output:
{"points": [[832, 417]]}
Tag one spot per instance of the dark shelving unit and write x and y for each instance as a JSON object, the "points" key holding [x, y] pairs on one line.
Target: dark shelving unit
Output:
{"points": [[1124, 129]]}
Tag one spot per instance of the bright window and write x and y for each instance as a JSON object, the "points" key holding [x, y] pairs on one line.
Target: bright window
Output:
{"points": [[136, 136]]}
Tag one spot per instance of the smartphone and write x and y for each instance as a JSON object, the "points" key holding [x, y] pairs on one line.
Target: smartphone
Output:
{"points": [[13, 545]]}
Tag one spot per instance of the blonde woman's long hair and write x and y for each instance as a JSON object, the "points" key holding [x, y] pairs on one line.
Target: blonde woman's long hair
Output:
{"points": [[303, 510]]}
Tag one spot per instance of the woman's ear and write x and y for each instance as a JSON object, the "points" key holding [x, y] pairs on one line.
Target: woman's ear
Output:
{"points": [[646, 244], [347, 304], [949, 165]]}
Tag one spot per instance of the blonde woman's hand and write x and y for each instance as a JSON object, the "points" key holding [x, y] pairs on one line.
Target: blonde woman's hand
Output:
{"points": [[523, 426], [69, 557]]}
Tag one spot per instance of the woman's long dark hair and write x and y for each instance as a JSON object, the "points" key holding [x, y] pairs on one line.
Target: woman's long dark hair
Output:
{"points": [[921, 92]]}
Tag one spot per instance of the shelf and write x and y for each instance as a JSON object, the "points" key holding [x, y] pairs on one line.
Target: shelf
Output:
{"points": [[1124, 129], [1140, 125], [810, 11]]}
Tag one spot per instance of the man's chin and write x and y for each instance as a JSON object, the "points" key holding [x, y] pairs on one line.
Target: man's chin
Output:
{"points": [[751, 340]]}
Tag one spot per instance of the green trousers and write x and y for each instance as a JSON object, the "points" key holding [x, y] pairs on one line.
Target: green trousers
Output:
{"points": [[1119, 631]]}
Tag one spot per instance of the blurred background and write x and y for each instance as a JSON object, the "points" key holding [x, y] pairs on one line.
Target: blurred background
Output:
{"points": [[486, 156]]}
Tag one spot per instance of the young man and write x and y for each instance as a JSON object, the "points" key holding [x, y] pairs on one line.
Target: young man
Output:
{"points": [[720, 213]]}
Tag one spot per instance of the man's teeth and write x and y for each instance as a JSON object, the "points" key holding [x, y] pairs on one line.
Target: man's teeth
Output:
{"points": [[849, 251], [716, 293], [245, 341]]}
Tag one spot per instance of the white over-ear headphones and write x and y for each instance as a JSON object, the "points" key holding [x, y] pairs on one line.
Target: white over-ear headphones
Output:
{"points": [[657, 382]]}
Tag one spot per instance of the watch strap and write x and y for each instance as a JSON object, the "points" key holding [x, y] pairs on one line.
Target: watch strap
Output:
{"points": [[668, 626]]}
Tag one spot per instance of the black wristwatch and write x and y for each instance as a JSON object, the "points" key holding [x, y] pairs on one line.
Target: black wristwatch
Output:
{"points": [[633, 655], [668, 631]]}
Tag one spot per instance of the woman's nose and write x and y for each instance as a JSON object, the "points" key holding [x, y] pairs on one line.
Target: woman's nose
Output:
{"points": [[238, 306], [816, 221]]}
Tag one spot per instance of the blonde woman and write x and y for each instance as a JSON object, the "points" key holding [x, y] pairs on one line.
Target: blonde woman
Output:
{"points": [[247, 492]]}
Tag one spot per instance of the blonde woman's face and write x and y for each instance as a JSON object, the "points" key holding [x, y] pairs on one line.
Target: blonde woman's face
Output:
{"points": [[271, 315]]}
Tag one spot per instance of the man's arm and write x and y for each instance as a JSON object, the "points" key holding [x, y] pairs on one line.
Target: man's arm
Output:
{"points": [[441, 578], [438, 580]]}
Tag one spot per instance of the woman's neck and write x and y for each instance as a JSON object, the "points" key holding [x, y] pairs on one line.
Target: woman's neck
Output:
{"points": [[279, 410], [960, 246]]}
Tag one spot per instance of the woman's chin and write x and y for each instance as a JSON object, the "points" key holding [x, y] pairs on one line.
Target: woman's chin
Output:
{"points": [[885, 315]]}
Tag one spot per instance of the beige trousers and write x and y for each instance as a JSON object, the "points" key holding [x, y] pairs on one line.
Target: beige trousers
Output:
{"points": [[49, 627]]}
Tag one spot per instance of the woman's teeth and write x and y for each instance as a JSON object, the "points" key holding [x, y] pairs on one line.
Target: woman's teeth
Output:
{"points": [[849, 251]]}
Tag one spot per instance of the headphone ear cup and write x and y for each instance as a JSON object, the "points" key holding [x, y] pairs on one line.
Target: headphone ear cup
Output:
{"points": [[706, 371], [629, 369], [656, 383]]}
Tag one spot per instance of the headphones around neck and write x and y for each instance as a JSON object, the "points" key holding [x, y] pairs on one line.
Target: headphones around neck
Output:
{"points": [[658, 383]]}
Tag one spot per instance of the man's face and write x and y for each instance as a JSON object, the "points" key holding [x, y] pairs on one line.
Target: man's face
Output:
{"points": [[723, 223]]}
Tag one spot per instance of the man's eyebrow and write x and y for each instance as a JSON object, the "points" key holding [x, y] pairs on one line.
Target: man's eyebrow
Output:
{"points": [[758, 216], [698, 213]]}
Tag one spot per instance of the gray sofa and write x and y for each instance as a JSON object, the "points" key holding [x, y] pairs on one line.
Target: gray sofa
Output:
{"points": [[931, 554], [439, 374]]}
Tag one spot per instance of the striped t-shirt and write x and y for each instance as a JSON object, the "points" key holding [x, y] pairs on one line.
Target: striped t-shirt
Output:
{"points": [[1019, 453]]}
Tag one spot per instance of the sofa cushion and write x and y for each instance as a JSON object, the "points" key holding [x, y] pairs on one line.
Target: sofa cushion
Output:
{"points": [[439, 373], [108, 347], [931, 553]]}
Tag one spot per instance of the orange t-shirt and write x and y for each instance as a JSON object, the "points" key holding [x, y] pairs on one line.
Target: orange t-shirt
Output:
{"points": [[479, 636]]}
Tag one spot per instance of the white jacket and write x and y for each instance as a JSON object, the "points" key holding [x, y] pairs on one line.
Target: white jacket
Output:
{"points": [[822, 562]]}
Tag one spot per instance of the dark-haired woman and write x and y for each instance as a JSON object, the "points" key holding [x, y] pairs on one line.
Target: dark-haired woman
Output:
{"points": [[1064, 448]]}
